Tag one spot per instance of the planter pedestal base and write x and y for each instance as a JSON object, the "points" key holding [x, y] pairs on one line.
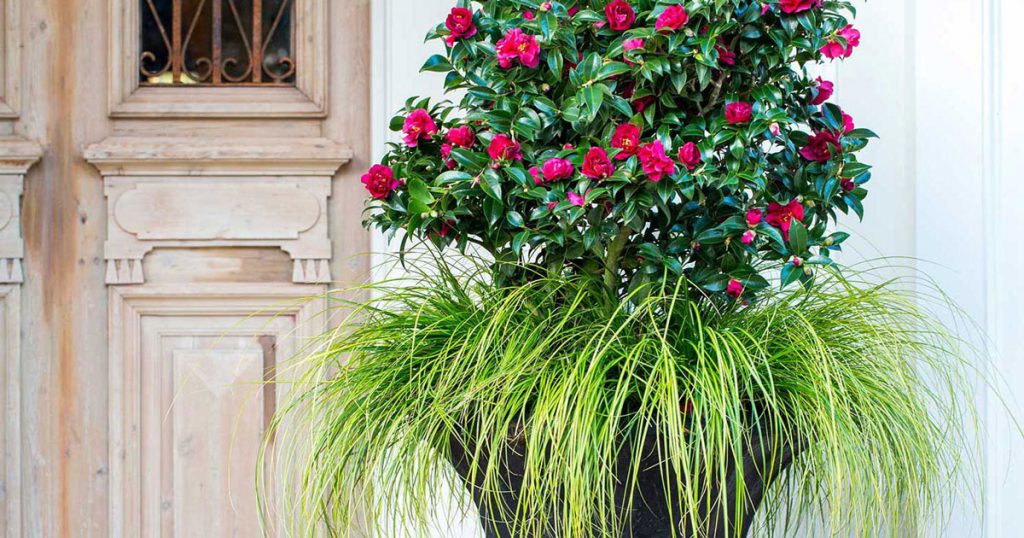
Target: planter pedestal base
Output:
{"points": [[650, 516]]}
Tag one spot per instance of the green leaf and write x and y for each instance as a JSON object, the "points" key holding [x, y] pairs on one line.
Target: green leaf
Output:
{"points": [[452, 176], [798, 237], [593, 96], [490, 182], [790, 274], [437, 63], [515, 219], [861, 133], [419, 192]]}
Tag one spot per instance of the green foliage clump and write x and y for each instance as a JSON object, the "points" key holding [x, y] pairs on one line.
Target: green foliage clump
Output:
{"points": [[837, 368]]}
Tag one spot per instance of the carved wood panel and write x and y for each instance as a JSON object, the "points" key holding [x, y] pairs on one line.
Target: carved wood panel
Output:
{"points": [[216, 193], [188, 410], [10, 418]]}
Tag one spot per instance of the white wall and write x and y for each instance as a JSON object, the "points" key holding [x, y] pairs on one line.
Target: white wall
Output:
{"points": [[941, 82]]}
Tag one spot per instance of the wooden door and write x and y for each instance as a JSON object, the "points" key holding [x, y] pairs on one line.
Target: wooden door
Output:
{"points": [[172, 173]]}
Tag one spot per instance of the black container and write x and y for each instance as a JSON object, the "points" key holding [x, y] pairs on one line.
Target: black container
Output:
{"points": [[650, 518]]}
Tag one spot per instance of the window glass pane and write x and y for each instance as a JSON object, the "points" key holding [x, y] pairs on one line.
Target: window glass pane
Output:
{"points": [[217, 42]]}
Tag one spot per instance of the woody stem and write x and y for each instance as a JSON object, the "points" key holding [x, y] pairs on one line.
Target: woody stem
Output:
{"points": [[612, 258]]}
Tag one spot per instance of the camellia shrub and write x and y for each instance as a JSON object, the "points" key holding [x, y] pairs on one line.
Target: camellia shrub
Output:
{"points": [[632, 141], [636, 173]]}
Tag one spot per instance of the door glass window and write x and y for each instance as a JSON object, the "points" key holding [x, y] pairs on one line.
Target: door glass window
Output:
{"points": [[217, 42]]}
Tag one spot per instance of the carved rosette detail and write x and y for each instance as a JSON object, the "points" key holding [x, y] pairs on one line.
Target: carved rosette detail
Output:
{"points": [[17, 155]]}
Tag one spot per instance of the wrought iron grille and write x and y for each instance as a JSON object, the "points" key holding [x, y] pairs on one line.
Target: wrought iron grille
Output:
{"points": [[217, 42]]}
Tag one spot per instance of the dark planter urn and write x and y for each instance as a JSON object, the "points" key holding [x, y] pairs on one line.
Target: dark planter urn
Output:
{"points": [[650, 518]]}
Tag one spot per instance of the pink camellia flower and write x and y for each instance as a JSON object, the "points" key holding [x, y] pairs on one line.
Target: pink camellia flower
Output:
{"points": [[734, 289], [518, 45], [655, 162], [725, 56], [798, 261], [766, 8], [576, 199], [748, 237], [774, 129], [796, 6], [556, 169], [834, 49], [462, 137], [739, 113], [825, 91], [446, 150], [503, 148], [460, 24], [633, 44], [620, 15], [627, 139], [820, 147], [672, 19], [754, 217], [597, 165], [781, 216], [568, 146], [380, 181], [546, 6], [689, 155], [418, 126], [538, 176], [848, 124], [529, 15], [573, 11]]}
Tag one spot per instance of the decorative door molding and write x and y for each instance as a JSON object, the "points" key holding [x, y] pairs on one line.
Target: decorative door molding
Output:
{"points": [[10, 59], [188, 193], [307, 99], [17, 155], [172, 346], [10, 389]]}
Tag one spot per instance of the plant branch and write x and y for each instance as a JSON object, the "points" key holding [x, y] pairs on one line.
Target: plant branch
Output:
{"points": [[612, 258]]}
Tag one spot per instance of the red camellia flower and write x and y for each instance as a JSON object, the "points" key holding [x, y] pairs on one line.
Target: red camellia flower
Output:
{"points": [[418, 126], [820, 147], [739, 113], [462, 137], [538, 176], [503, 148], [460, 24], [834, 49], [734, 289], [518, 45], [380, 181], [626, 138], [796, 6], [655, 162], [689, 155], [672, 19], [556, 169], [825, 91], [754, 217], [848, 184], [725, 56], [446, 150], [597, 165], [620, 15], [781, 216], [848, 124]]}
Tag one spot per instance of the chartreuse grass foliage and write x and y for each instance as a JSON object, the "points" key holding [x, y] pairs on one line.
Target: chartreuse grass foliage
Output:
{"points": [[859, 374]]}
